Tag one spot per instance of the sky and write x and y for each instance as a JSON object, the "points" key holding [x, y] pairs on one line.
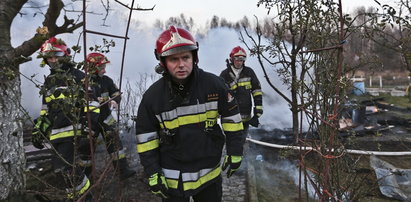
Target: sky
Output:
{"points": [[214, 47], [230, 9]]}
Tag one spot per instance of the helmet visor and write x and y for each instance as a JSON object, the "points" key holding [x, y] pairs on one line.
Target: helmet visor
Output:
{"points": [[53, 54], [58, 53], [179, 49], [239, 58]]}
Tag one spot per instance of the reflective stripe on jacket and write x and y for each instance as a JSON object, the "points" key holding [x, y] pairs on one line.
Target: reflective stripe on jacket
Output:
{"points": [[62, 103], [182, 128], [243, 89]]}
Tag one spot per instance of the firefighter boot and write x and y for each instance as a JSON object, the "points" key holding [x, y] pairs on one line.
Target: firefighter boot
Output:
{"points": [[122, 169]]}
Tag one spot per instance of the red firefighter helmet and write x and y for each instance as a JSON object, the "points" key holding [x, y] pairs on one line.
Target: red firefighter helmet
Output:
{"points": [[175, 40], [238, 52], [96, 62], [54, 47]]}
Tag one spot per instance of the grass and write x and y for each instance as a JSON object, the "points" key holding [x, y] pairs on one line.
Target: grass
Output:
{"points": [[385, 98], [399, 101]]}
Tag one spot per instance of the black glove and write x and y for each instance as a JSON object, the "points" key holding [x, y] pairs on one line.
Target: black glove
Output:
{"points": [[234, 162], [36, 139], [40, 131], [158, 185], [254, 121]]}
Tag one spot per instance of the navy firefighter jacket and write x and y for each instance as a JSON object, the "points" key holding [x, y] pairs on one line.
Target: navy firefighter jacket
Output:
{"points": [[64, 103], [244, 88], [105, 89], [178, 133]]}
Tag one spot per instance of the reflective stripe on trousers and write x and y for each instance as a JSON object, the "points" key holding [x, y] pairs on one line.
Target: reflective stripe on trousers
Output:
{"points": [[193, 180], [79, 189]]}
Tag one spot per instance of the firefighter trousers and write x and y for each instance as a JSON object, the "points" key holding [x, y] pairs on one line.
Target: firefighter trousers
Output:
{"points": [[212, 193]]}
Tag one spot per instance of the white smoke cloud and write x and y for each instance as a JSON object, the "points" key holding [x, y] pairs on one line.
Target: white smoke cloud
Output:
{"points": [[215, 47]]}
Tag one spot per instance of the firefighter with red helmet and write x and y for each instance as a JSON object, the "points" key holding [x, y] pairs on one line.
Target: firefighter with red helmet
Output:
{"points": [[178, 137], [106, 89], [63, 117], [245, 86]]}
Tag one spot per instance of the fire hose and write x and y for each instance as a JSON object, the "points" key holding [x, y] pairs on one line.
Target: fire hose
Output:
{"points": [[350, 151]]}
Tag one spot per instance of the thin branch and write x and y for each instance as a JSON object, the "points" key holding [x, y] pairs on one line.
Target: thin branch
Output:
{"points": [[138, 8]]}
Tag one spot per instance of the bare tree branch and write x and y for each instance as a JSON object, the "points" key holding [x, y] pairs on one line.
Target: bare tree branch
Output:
{"points": [[259, 57], [138, 8], [28, 47]]}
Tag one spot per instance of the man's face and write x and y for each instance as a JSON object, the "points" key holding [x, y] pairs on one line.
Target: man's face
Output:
{"points": [[238, 61], [102, 70], [180, 65], [53, 62], [53, 59]]}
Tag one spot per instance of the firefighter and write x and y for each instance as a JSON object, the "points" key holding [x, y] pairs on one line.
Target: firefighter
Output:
{"points": [[244, 84], [178, 138], [63, 117], [106, 90]]}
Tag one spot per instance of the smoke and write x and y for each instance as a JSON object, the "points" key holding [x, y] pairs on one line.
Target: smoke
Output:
{"points": [[283, 171], [214, 48]]}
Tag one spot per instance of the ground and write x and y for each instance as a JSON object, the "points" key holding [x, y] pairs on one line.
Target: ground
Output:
{"points": [[133, 189], [266, 174]]}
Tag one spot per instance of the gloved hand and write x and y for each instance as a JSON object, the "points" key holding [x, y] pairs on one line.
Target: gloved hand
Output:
{"points": [[254, 121], [36, 139], [233, 162], [158, 185], [258, 111], [40, 131]]}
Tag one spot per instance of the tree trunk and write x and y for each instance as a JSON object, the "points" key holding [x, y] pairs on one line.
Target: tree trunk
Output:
{"points": [[12, 156]]}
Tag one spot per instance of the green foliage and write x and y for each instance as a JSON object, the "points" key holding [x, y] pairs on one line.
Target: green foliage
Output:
{"points": [[105, 48], [75, 95], [76, 49]]}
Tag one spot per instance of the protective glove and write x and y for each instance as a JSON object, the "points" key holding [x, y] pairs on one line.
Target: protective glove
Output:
{"points": [[258, 111], [233, 162], [254, 121], [158, 185], [40, 131], [36, 139]]}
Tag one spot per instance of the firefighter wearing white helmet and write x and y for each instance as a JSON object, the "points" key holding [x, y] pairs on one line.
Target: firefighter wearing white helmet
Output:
{"points": [[106, 89], [245, 86], [178, 137], [62, 118]]}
